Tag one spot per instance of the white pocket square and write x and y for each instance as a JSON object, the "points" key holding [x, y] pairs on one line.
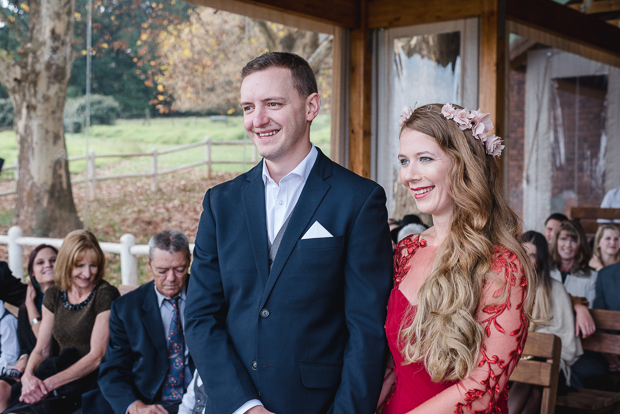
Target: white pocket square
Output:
{"points": [[316, 231]]}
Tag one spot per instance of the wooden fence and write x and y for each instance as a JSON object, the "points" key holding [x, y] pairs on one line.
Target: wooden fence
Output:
{"points": [[92, 177]]}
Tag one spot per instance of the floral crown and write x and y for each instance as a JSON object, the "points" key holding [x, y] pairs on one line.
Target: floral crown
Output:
{"points": [[479, 123]]}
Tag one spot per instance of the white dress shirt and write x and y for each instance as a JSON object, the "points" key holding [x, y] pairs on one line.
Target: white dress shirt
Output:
{"points": [[611, 200], [9, 345], [189, 398], [280, 200]]}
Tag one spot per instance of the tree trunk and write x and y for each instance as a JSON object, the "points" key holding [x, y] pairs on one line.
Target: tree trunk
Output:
{"points": [[38, 89]]}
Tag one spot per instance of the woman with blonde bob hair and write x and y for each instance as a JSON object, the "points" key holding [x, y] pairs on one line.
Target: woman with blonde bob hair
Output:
{"points": [[459, 311], [606, 246], [76, 312]]}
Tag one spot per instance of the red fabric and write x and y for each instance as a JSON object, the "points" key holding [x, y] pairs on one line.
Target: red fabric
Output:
{"points": [[505, 325]]}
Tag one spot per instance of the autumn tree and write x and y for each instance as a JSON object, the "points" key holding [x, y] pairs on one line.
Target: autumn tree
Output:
{"points": [[35, 76], [201, 59]]}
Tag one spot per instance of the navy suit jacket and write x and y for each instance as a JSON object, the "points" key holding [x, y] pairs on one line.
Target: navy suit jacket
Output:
{"points": [[136, 360], [12, 290], [608, 288], [306, 337]]}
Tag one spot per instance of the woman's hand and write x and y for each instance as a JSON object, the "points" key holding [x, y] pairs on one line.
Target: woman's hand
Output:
{"points": [[33, 389], [596, 263], [31, 293], [584, 323]]}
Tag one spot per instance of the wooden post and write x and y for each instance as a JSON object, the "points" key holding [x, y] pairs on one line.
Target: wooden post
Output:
{"points": [[254, 154], [92, 175], [129, 263], [154, 186], [208, 156], [493, 46], [360, 97]]}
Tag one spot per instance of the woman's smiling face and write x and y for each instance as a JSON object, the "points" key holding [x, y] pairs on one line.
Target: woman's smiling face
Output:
{"points": [[424, 171]]}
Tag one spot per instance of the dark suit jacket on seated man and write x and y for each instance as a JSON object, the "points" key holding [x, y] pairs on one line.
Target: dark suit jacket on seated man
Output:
{"points": [[136, 373], [292, 266], [12, 290]]}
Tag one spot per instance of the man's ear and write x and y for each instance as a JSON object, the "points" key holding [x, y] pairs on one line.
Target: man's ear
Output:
{"points": [[313, 105]]}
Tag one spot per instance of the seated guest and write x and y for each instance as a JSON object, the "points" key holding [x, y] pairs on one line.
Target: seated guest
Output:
{"points": [[606, 246], [611, 200], [571, 254], [551, 224], [9, 350], [608, 297], [554, 310], [147, 364], [11, 289], [41, 271], [195, 399], [76, 311]]}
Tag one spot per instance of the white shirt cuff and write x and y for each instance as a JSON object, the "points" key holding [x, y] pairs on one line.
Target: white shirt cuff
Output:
{"points": [[245, 407]]}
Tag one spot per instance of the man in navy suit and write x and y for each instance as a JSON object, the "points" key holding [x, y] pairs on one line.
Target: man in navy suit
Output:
{"points": [[292, 266], [135, 372]]}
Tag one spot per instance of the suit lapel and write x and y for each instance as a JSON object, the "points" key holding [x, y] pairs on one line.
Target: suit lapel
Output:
{"points": [[151, 318], [309, 200], [253, 197]]}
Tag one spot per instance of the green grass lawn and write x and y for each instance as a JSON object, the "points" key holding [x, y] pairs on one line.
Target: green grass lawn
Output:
{"points": [[161, 133]]}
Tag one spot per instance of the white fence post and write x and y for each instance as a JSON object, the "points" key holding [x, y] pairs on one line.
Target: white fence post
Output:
{"points": [[92, 174], [129, 263], [154, 185], [16, 259], [208, 156], [254, 154]]}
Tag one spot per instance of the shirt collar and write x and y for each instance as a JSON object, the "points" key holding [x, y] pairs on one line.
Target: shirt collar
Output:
{"points": [[161, 298], [302, 170]]}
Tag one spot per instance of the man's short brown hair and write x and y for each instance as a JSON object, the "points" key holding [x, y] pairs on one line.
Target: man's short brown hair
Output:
{"points": [[304, 81]]}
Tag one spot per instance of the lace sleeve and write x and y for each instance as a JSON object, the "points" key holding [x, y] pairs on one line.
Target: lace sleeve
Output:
{"points": [[505, 326]]}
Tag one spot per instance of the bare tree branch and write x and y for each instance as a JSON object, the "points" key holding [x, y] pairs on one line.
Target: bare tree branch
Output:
{"points": [[319, 55], [268, 33], [16, 29]]}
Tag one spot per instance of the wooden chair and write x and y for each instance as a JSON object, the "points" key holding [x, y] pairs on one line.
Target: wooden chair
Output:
{"points": [[592, 401], [587, 216], [543, 373]]}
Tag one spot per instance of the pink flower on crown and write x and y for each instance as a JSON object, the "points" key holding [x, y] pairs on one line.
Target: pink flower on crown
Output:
{"points": [[482, 124], [462, 119], [494, 145], [405, 116], [448, 111]]}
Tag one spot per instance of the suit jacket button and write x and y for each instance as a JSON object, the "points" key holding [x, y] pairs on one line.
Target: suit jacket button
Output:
{"points": [[254, 366], [264, 313], [270, 262]]}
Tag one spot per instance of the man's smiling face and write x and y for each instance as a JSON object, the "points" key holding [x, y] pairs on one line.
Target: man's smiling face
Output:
{"points": [[274, 115]]}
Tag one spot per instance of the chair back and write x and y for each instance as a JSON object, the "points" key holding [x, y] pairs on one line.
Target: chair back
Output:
{"points": [[543, 373], [608, 341]]}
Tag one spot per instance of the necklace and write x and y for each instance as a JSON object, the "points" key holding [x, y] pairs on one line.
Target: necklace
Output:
{"points": [[79, 306]]}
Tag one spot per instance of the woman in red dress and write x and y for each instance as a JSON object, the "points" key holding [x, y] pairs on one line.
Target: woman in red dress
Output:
{"points": [[459, 311]]}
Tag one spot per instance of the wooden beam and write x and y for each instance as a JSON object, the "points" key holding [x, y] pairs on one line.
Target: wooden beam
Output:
{"points": [[360, 99], [343, 13], [564, 22], [604, 6], [493, 45], [397, 13]]}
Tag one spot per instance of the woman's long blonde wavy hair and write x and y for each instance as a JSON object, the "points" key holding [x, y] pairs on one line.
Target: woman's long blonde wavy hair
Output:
{"points": [[444, 333]]}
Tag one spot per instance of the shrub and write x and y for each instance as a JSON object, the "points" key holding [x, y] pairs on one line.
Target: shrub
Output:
{"points": [[104, 110]]}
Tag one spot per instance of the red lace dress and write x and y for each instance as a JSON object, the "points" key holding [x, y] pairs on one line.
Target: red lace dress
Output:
{"points": [[505, 325]]}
